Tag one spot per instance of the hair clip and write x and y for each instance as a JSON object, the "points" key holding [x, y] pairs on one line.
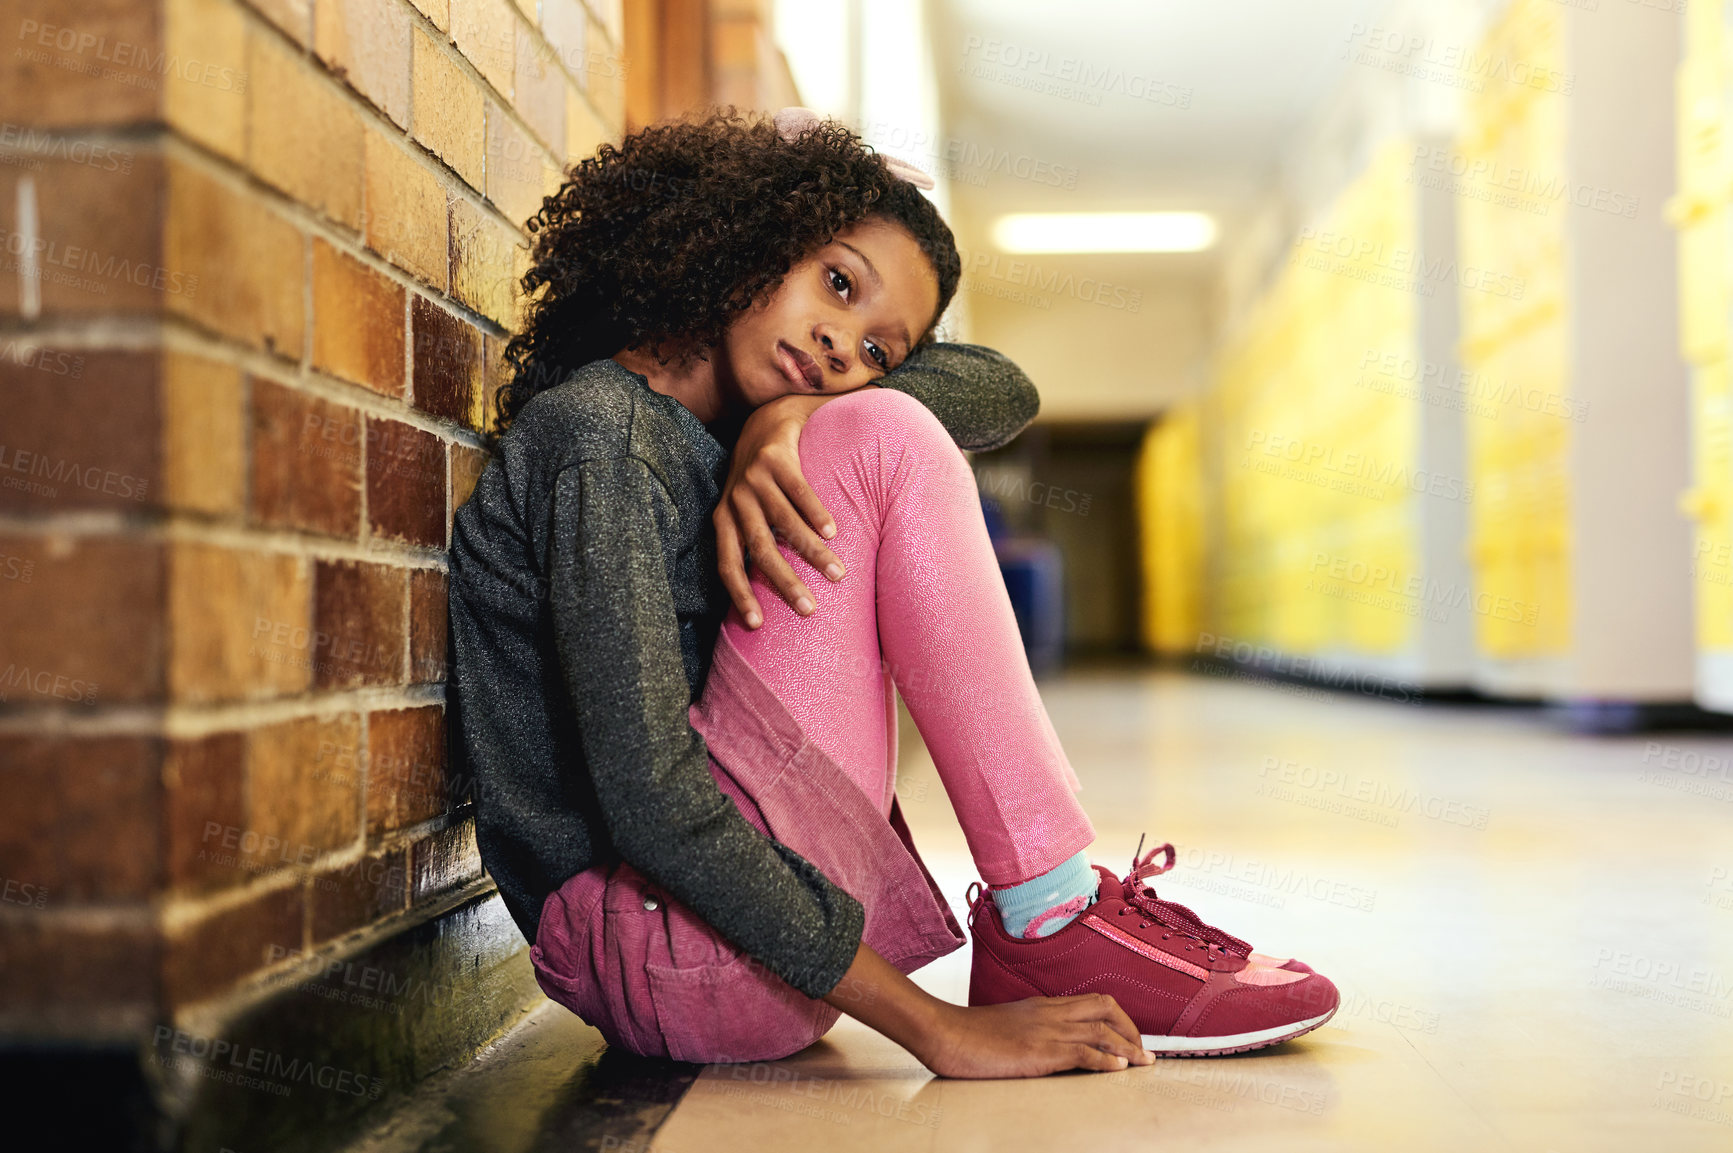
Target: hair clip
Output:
{"points": [[793, 121]]}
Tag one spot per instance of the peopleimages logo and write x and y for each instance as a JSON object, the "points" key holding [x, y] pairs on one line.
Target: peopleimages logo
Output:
{"points": [[1266, 659], [1046, 281], [249, 1065], [1068, 77], [132, 63], [1395, 266], [1404, 799], [88, 269], [34, 147], [1315, 457]]}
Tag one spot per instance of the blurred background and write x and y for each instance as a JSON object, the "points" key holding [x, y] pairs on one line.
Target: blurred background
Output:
{"points": [[1382, 344]]}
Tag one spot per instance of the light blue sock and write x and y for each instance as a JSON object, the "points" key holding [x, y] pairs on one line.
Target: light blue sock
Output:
{"points": [[1072, 880]]}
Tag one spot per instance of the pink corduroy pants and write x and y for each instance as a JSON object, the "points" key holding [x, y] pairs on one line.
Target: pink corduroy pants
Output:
{"points": [[800, 720]]}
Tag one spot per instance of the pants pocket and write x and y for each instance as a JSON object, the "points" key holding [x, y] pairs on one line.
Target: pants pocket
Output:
{"points": [[561, 952], [735, 1011]]}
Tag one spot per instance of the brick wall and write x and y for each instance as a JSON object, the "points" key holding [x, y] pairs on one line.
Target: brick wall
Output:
{"points": [[258, 263]]}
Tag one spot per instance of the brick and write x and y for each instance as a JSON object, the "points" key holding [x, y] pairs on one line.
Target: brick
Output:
{"points": [[466, 467], [91, 976], [256, 300], [108, 794], [27, 837], [306, 462], [539, 89], [208, 954], [443, 861], [238, 624], [605, 80], [357, 322], [428, 601], [438, 11], [407, 774], [81, 620], [517, 167], [448, 110], [406, 218], [45, 85], [90, 444], [25, 351], [445, 353], [293, 16], [366, 43], [302, 135], [302, 801], [81, 824], [584, 131], [99, 235], [204, 798], [358, 613], [482, 262], [405, 482], [204, 436], [355, 895], [484, 31], [205, 96], [566, 26], [496, 374]]}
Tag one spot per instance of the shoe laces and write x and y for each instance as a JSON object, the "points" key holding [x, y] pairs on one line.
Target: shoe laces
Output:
{"points": [[1172, 915]]}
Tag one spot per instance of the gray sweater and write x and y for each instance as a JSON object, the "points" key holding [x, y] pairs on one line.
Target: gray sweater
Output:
{"points": [[584, 604]]}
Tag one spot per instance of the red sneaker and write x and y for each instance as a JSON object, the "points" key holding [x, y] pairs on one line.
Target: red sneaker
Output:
{"points": [[1191, 989]]}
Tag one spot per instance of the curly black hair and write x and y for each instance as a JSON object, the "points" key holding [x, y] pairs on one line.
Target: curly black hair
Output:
{"points": [[659, 241]]}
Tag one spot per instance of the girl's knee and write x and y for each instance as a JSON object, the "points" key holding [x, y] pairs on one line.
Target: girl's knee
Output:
{"points": [[878, 418]]}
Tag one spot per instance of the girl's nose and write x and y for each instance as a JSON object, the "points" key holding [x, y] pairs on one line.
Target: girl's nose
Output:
{"points": [[837, 349]]}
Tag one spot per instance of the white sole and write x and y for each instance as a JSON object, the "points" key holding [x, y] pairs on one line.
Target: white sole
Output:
{"points": [[1230, 1043]]}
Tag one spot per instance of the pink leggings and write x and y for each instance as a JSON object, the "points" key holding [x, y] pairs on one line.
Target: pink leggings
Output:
{"points": [[922, 605]]}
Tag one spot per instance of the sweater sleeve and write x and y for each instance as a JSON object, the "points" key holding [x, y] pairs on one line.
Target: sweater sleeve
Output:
{"points": [[981, 398], [619, 646]]}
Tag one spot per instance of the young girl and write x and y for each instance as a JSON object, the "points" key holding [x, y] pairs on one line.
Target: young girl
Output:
{"points": [[718, 881]]}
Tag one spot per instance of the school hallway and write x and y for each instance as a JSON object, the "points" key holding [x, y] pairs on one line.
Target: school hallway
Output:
{"points": [[1530, 930], [1371, 543]]}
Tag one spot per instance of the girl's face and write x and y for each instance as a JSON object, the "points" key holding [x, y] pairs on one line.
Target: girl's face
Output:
{"points": [[840, 319]]}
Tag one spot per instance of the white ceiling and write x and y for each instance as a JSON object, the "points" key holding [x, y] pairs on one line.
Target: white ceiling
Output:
{"points": [[1253, 72]]}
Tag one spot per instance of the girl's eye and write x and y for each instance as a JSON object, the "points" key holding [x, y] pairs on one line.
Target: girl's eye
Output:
{"points": [[841, 283], [879, 355]]}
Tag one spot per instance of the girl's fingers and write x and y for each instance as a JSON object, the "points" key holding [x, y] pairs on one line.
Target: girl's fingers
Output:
{"points": [[793, 484], [1106, 1038], [731, 567], [1102, 1036], [769, 559], [782, 577], [1104, 1012], [1089, 1057], [1122, 1024], [798, 535]]}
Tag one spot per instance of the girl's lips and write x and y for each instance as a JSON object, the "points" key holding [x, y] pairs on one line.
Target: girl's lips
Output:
{"points": [[800, 368]]}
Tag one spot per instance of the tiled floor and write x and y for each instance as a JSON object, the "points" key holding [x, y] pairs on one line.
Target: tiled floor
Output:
{"points": [[1533, 933]]}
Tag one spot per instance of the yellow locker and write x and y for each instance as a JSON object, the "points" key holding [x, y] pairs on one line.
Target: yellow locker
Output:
{"points": [[1700, 213], [1170, 500], [1514, 344]]}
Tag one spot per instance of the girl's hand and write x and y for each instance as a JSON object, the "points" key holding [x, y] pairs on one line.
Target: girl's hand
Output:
{"points": [[1022, 1039], [1034, 1037], [766, 498]]}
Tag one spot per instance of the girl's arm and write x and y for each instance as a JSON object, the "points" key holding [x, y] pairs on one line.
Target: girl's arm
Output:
{"points": [[981, 398], [619, 645], [1029, 1038]]}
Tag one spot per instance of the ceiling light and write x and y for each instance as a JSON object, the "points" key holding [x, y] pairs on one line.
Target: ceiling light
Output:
{"points": [[1034, 232]]}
